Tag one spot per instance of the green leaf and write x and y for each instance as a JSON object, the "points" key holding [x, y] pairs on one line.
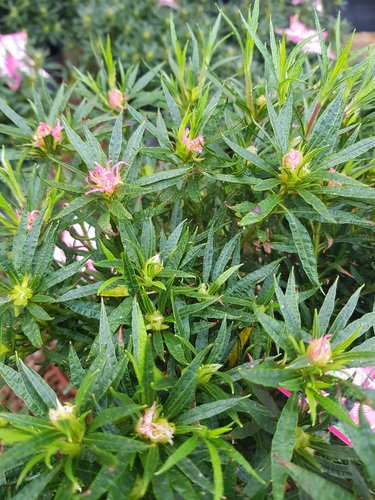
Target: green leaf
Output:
{"points": [[231, 451], [139, 335], [275, 329], [111, 415], [289, 308], [220, 280], [15, 118], [304, 248], [224, 257], [114, 442], [116, 140], [172, 106], [182, 451], [38, 312], [64, 273], [283, 443], [76, 371], [327, 308], [333, 408], [217, 470], [317, 487], [261, 210], [207, 410], [16, 455], [33, 490], [317, 205], [16, 383], [82, 149], [75, 205], [272, 377], [350, 152], [183, 392], [345, 314], [40, 392], [208, 255], [221, 343], [31, 329], [134, 143], [9, 269]]}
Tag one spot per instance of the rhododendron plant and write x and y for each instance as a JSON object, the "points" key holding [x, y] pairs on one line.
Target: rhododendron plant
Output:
{"points": [[177, 242]]}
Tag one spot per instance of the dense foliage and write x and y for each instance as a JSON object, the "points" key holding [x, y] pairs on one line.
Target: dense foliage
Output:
{"points": [[138, 29], [190, 250]]}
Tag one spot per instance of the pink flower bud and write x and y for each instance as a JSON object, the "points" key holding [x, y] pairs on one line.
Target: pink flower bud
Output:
{"points": [[193, 145], [31, 218], [43, 130], [319, 351], [116, 99], [293, 159]]}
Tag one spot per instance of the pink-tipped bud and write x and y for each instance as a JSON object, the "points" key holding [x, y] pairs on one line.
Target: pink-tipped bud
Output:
{"points": [[43, 130], [193, 145], [31, 218], [116, 99], [319, 351], [293, 160]]}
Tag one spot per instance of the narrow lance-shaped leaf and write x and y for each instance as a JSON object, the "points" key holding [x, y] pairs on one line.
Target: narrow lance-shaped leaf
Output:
{"points": [[283, 443], [304, 247]]}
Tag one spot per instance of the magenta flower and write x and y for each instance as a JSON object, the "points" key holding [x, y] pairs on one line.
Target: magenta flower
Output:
{"points": [[168, 3], [293, 160], [14, 61], [43, 130], [116, 99], [193, 145], [104, 179], [297, 32], [319, 351], [153, 428]]}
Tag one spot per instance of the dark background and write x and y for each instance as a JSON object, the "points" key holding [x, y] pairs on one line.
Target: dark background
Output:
{"points": [[360, 14]]}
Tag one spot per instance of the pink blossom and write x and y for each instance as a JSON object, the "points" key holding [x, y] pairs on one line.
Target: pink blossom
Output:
{"points": [[168, 3], [319, 350], [43, 130], [116, 99], [193, 145], [157, 430], [81, 245], [104, 179], [293, 159], [363, 377], [14, 60], [31, 218], [297, 32]]}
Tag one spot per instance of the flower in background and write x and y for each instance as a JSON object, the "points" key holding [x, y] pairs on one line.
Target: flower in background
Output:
{"points": [[104, 179], [293, 159], [157, 430], [319, 350], [298, 32], [363, 377], [116, 99], [14, 60], [83, 242], [168, 3], [43, 130], [193, 145]]}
